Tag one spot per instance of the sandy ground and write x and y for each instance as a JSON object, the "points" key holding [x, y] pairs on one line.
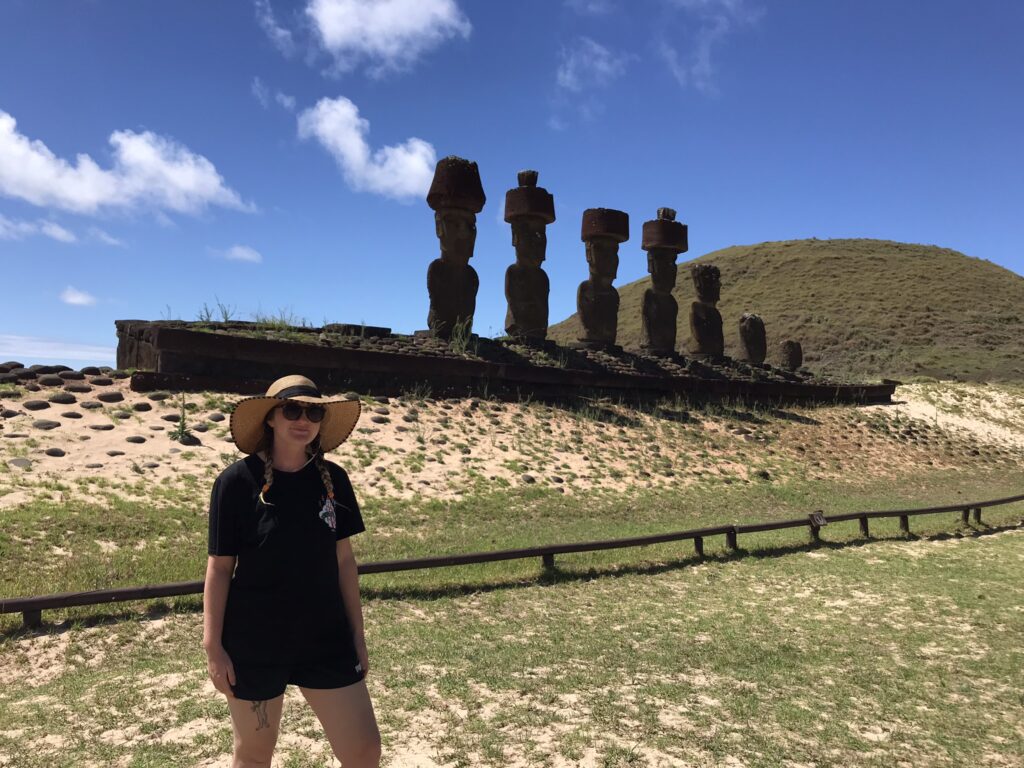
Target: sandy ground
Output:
{"points": [[405, 448]]}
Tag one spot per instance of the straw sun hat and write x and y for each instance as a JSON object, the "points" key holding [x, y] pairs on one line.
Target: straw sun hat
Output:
{"points": [[249, 415]]}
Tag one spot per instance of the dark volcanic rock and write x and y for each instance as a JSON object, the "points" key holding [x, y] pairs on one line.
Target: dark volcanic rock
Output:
{"points": [[91, 370], [101, 381], [63, 398], [45, 424], [79, 388], [158, 395], [135, 439], [55, 452], [36, 405], [91, 405], [51, 380], [20, 462], [110, 397], [142, 406], [72, 375], [216, 416], [101, 427], [115, 453], [171, 417], [71, 415]]}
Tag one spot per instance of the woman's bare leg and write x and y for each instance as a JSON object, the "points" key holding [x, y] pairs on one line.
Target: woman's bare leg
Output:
{"points": [[256, 725], [348, 720]]}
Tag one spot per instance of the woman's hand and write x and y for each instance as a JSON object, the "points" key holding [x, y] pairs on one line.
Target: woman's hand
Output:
{"points": [[361, 653], [221, 670]]}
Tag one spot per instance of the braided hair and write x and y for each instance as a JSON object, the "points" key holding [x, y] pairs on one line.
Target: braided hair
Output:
{"points": [[314, 450]]}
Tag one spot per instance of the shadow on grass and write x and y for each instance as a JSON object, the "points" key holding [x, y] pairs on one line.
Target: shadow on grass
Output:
{"points": [[552, 576]]}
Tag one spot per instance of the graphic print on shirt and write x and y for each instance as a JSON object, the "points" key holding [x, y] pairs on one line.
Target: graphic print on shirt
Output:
{"points": [[327, 514]]}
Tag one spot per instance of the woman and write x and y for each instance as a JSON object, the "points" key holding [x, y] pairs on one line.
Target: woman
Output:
{"points": [[281, 603]]}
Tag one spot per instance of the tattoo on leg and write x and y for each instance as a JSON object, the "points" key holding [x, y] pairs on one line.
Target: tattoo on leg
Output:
{"points": [[262, 721]]}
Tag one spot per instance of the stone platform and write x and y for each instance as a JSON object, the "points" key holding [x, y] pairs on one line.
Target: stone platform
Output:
{"points": [[245, 357]]}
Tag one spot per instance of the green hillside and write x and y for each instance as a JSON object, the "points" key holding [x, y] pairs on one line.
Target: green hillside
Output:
{"points": [[867, 308]]}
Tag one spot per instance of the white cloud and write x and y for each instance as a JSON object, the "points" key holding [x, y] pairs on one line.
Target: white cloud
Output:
{"points": [[399, 171], [242, 253], [14, 229], [148, 171], [591, 7], [104, 237], [286, 101], [76, 297], [29, 348], [389, 34], [715, 20], [588, 64], [279, 36], [259, 90]]}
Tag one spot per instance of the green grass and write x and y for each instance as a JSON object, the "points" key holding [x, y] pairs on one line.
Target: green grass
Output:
{"points": [[865, 308]]}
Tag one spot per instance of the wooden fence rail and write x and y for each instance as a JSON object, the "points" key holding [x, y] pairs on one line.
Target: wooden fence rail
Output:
{"points": [[31, 608]]}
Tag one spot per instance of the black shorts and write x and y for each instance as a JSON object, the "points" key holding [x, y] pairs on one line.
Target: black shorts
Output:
{"points": [[261, 682]]}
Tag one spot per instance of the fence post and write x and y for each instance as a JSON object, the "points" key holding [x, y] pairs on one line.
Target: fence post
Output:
{"points": [[977, 514], [548, 560], [698, 545], [965, 514], [730, 539], [905, 524], [32, 619], [864, 531]]}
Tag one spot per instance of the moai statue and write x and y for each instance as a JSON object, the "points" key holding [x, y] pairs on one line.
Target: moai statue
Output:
{"points": [[705, 319], [456, 196], [596, 301], [753, 341], [664, 238], [792, 354], [529, 209]]}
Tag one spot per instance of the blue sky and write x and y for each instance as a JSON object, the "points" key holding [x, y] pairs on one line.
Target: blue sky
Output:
{"points": [[275, 155]]}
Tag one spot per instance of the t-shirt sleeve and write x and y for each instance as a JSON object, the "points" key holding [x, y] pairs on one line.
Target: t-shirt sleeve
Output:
{"points": [[346, 508], [223, 538]]}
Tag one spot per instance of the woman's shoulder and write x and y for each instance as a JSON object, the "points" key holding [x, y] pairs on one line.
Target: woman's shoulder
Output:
{"points": [[244, 472]]}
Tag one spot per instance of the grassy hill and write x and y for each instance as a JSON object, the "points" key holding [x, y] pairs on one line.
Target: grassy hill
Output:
{"points": [[860, 307]]}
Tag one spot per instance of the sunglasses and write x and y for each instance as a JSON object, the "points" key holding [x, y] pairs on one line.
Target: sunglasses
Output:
{"points": [[314, 413]]}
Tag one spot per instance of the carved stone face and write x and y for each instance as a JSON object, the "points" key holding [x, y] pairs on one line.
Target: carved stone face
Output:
{"points": [[530, 239], [707, 279], [603, 258], [662, 266], [456, 230]]}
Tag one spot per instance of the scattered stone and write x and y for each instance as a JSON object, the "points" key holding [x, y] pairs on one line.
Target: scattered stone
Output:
{"points": [[12, 435], [142, 406], [7, 413], [93, 465], [351, 395], [32, 387], [71, 415], [55, 452], [115, 453], [216, 416], [91, 405], [79, 388], [25, 374], [175, 417], [151, 465], [382, 411], [410, 417], [135, 439], [380, 419], [379, 468], [557, 479], [190, 440], [36, 405], [101, 427], [122, 415], [72, 375], [158, 396], [117, 374], [101, 381], [7, 378], [528, 479], [51, 380], [91, 370], [113, 396], [174, 450], [63, 398], [20, 463], [200, 427], [156, 427], [381, 399]]}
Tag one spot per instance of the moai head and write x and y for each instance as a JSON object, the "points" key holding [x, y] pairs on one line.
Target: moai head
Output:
{"points": [[663, 239], [529, 209], [707, 279], [792, 354], [602, 231], [456, 195]]}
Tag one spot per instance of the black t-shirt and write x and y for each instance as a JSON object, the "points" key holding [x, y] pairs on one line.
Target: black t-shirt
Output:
{"points": [[284, 597]]}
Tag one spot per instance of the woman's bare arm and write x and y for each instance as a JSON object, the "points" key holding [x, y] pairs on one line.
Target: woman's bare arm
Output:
{"points": [[348, 580], [215, 597]]}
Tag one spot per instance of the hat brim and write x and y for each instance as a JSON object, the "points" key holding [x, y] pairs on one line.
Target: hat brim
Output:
{"points": [[249, 415]]}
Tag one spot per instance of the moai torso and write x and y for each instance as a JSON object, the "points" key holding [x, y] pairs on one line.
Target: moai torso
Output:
{"points": [[753, 339], [598, 307], [452, 289], [527, 290], [660, 315], [705, 319]]}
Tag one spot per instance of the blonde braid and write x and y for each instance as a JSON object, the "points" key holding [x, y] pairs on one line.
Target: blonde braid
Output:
{"points": [[325, 474], [268, 465]]}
